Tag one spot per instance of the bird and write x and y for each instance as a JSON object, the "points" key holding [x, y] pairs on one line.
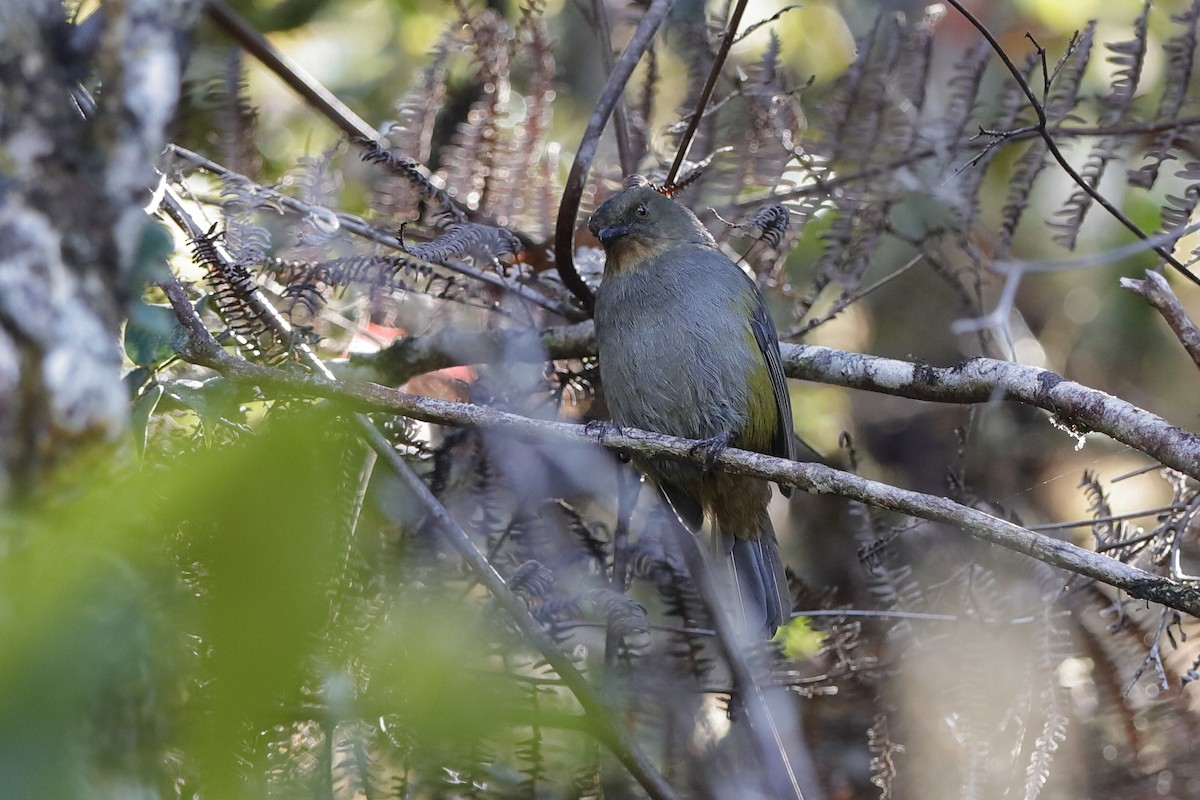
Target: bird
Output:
{"points": [[687, 348]]}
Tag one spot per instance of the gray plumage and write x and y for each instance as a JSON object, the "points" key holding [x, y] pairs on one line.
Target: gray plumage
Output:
{"points": [[687, 348]]}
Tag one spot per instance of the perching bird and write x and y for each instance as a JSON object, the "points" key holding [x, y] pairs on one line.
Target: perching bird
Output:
{"points": [[687, 349]]}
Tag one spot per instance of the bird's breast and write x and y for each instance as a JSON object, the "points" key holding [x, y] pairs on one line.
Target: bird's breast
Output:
{"points": [[675, 353]]}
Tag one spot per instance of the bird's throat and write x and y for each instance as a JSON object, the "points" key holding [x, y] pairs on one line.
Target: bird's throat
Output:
{"points": [[628, 255]]}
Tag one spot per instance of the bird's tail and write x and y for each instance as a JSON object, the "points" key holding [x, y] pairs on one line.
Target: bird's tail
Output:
{"points": [[757, 572]]}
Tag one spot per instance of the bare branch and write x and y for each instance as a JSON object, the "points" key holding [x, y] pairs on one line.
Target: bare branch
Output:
{"points": [[292, 74], [810, 477], [1157, 292], [979, 380]]}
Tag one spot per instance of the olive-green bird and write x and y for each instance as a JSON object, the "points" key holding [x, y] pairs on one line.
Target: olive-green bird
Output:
{"points": [[687, 349]]}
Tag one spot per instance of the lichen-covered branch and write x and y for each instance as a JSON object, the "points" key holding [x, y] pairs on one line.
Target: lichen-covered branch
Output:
{"points": [[981, 380]]}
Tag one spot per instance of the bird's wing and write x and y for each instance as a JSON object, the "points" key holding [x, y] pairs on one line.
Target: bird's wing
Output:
{"points": [[783, 442]]}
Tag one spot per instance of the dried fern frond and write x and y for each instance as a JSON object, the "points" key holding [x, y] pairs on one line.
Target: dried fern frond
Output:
{"points": [[1129, 57], [444, 210], [1181, 53], [469, 240]]}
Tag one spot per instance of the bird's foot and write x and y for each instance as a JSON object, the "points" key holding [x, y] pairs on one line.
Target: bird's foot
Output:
{"points": [[715, 446], [602, 429]]}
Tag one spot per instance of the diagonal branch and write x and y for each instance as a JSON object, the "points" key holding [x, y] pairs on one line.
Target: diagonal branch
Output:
{"points": [[202, 348], [1043, 129], [727, 40], [291, 73]]}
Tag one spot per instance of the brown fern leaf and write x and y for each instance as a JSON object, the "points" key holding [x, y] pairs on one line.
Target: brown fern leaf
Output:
{"points": [[1097, 498], [1062, 101], [481, 243], [776, 123], [472, 166], [1181, 51], [769, 224], [854, 123], [235, 294], [443, 207], [238, 121], [962, 100], [1129, 56], [910, 84], [1177, 211], [374, 271]]}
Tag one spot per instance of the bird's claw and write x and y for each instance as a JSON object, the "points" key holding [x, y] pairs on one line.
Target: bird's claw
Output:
{"points": [[715, 446], [602, 429]]}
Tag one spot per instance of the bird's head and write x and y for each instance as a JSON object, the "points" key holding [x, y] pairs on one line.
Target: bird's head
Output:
{"points": [[640, 223]]}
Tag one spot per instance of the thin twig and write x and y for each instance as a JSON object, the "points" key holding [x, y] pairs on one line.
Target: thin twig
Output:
{"points": [[1084, 523], [1052, 146], [685, 143], [1154, 656], [845, 302], [620, 118], [292, 74], [564, 228], [979, 380]]}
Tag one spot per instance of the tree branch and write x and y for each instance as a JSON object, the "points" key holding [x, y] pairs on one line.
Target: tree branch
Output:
{"points": [[979, 380], [810, 477], [292, 74], [1157, 292]]}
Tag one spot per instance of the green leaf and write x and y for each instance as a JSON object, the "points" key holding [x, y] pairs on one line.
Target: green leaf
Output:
{"points": [[150, 260], [212, 400], [152, 334], [139, 417]]}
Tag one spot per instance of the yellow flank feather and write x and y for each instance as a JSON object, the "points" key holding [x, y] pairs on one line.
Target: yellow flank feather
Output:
{"points": [[761, 415]]}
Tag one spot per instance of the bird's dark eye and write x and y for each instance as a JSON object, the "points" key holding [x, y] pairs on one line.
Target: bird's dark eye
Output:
{"points": [[640, 210]]}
